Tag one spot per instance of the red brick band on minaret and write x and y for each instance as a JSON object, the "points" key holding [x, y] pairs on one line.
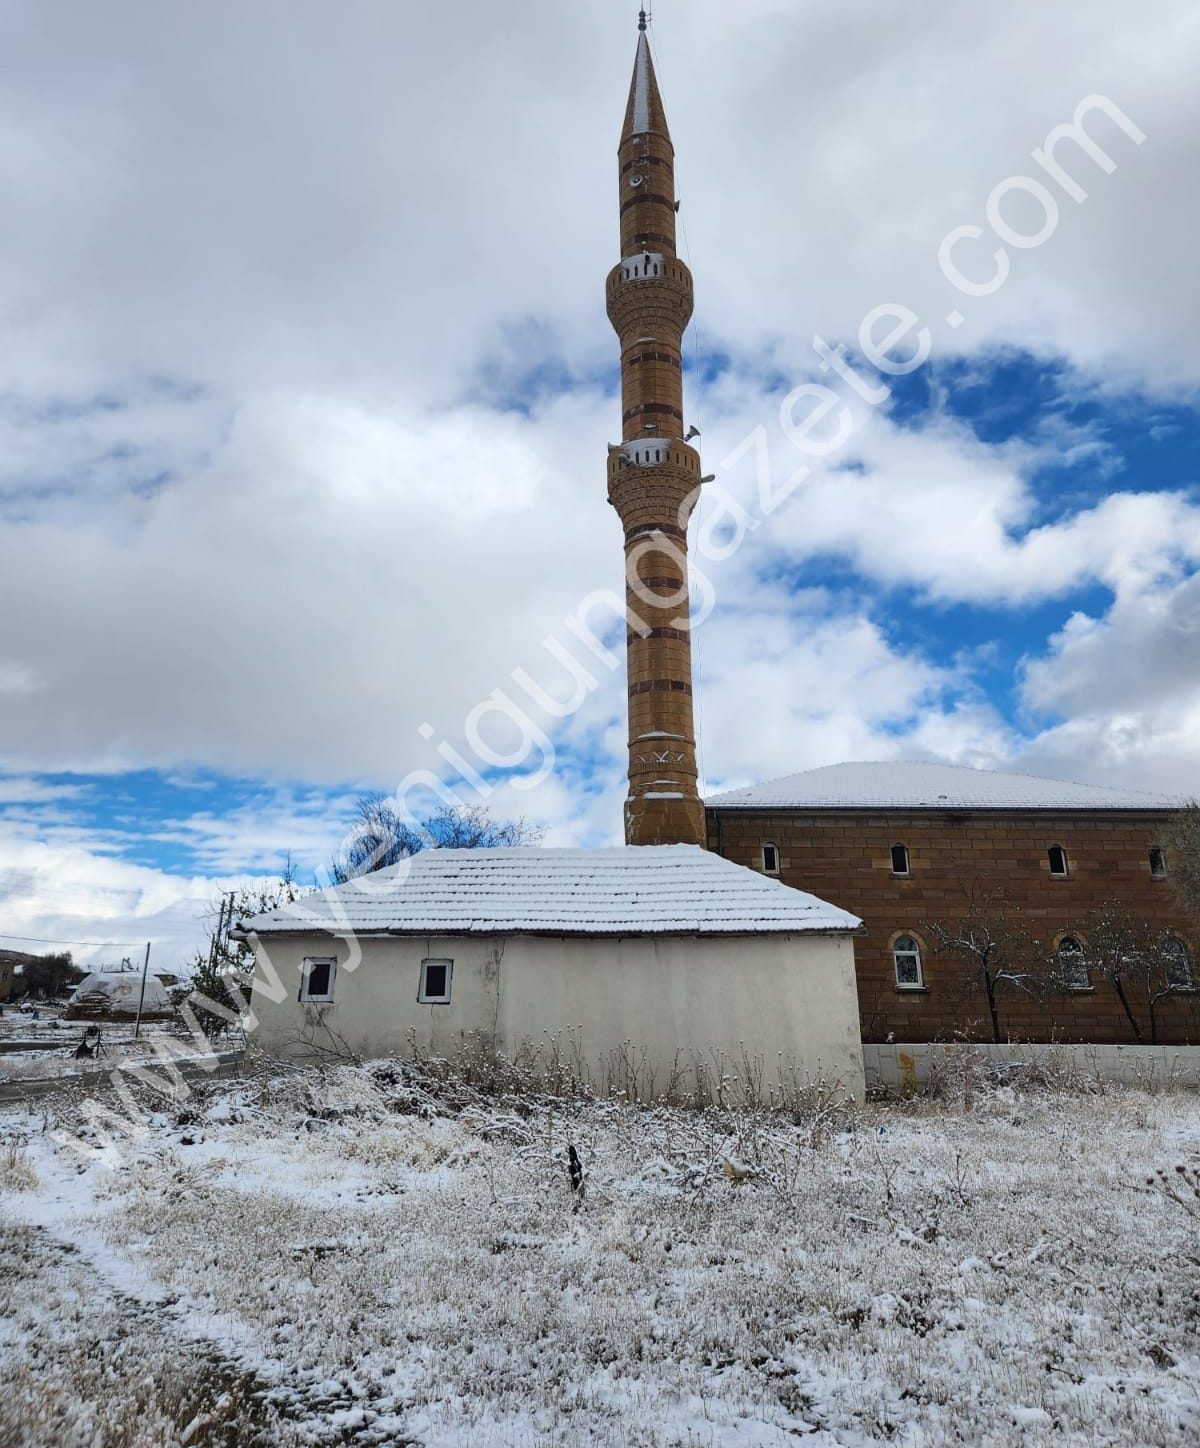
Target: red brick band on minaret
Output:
{"points": [[661, 686], [653, 409], [674, 585], [648, 530], [651, 196], [658, 633], [666, 357]]}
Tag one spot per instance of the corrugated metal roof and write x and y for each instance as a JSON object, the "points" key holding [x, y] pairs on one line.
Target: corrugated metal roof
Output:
{"points": [[630, 890], [904, 785]]}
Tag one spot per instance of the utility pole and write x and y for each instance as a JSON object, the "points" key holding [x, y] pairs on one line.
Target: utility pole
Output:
{"points": [[218, 936], [142, 997]]}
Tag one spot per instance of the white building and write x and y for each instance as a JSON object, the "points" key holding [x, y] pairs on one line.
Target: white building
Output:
{"points": [[667, 957]]}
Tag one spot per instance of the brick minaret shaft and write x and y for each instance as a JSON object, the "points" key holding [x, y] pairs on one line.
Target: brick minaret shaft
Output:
{"points": [[654, 476]]}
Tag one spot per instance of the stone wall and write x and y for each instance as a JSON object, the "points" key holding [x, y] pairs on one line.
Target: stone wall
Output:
{"points": [[906, 1067], [844, 856]]}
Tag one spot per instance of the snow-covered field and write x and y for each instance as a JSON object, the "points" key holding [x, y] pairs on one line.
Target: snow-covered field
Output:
{"points": [[48, 1046], [362, 1255]]}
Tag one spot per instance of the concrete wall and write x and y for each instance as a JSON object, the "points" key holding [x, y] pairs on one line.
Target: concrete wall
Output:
{"points": [[906, 1067], [788, 1001], [845, 856]]}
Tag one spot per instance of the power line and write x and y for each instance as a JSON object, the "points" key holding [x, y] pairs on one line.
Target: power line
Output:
{"points": [[41, 940]]}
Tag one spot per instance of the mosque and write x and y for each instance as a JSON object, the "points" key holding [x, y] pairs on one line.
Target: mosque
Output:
{"points": [[699, 945]]}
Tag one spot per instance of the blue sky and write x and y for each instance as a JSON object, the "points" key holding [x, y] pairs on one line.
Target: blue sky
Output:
{"points": [[303, 419]]}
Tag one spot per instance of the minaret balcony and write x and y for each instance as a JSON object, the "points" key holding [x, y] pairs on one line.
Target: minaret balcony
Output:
{"points": [[649, 289], [645, 454], [654, 451], [644, 266], [662, 488]]}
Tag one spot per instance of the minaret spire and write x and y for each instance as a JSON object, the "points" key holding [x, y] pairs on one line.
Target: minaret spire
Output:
{"points": [[654, 475]]}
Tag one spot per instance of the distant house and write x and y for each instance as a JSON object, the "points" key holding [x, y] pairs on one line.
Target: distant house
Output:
{"points": [[901, 845], [19, 972], [664, 957]]}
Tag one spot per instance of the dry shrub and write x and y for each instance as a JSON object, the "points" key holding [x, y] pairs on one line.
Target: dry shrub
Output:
{"points": [[964, 1075], [16, 1174]]}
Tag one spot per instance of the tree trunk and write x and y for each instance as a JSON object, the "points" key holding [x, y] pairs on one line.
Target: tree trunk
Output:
{"points": [[1121, 996], [990, 986]]}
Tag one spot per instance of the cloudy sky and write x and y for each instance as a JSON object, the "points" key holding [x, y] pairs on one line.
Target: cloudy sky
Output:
{"points": [[307, 382]]}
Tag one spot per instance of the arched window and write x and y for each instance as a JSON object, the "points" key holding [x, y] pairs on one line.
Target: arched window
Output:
{"points": [[1176, 964], [1058, 862], [770, 859], [899, 859], [906, 955], [1072, 964], [1158, 863]]}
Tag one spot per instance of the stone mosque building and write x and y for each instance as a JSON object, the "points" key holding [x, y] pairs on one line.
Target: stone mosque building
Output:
{"points": [[699, 945]]}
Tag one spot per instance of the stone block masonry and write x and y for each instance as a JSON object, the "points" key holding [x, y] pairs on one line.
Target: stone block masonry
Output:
{"points": [[846, 856]]}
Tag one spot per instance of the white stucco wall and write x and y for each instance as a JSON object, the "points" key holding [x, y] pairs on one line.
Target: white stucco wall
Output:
{"points": [[786, 1001]]}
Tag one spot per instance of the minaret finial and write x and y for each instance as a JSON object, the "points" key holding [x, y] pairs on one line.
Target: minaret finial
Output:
{"points": [[641, 20]]}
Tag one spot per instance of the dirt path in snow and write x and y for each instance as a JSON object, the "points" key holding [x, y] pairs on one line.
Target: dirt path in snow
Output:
{"points": [[70, 1337]]}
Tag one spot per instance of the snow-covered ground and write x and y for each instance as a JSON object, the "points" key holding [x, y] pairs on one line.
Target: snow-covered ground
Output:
{"points": [[35, 1050], [358, 1255]]}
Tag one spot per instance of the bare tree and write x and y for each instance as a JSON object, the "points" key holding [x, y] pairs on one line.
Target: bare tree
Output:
{"points": [[1139, 962], [991, 938], [1181, 842], [228, 959], [381, 837]]}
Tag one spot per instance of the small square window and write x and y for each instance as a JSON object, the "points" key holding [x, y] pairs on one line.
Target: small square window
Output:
{"points": [[435, 982], [770, 859], [316, 980], [1158, 863], [900, 860], [1058, 862]]}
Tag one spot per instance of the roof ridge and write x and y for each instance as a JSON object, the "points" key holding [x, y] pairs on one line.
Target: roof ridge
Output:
{"points": [[843, 787], [619, 890]]}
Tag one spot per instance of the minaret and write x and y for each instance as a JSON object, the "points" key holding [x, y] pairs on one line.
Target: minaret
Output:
{"points": [[654, 475]]}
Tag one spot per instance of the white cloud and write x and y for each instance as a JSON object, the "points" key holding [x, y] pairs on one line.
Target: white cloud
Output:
{"points": [[340, 576], [335, 579], [289, 195], [936, 509], [1127, 687], [101, 909], [15, 790]]}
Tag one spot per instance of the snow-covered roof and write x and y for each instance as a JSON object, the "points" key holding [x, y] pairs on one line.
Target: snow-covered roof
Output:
{"points": [[118, 993], [629, 890], [902, 785]]}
